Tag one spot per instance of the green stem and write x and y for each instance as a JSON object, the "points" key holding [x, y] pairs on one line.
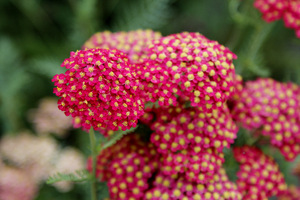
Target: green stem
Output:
{"points": [[94, 155], [259, 38]]}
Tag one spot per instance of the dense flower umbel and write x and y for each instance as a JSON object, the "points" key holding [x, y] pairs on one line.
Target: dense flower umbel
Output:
{"points": [[191, 141], [132, 43], [188, 65], [99, 89], [289, 10], [177, 187], [127, 166], [293, 193], [259, 176], [274, 109]]}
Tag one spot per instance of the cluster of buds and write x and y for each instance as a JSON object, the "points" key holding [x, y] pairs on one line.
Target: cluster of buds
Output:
{"points": [[99, 90], [273, 10], [259, 177], [190, 66], [271, 108], [133, 43], [127, 167]]}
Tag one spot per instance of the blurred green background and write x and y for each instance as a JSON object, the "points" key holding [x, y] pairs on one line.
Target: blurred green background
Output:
{"points": [[36, 36]]}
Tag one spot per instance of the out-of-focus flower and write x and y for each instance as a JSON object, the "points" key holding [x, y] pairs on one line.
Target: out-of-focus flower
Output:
{"points": [[296, 169], [16, 184], [188, 65], [293, 193], [133, 43], [127, 167], [259, 177], [191, 141], [31, 153], [273, 10], [100, 90], [177, 187], [47, 118], [68, 161], [272, 108]]}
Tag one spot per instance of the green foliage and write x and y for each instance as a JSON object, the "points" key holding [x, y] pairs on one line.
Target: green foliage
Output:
{"points": [[143, 15], [78, 176], [114, 139]]}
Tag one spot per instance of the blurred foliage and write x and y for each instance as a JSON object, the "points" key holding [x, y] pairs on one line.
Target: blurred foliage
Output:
{"points": [[36, 36]]}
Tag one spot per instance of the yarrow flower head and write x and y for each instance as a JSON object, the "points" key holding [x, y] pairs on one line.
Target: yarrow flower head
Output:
{"points": [[259, 177], [273, 10], [133, 43], [127, 167], [177, 187], [99, 89], [191, 141], [190, 66], [273, 109]]}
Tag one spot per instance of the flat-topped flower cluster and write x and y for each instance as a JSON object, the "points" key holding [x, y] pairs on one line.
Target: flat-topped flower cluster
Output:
{"points": [[194, 102]]}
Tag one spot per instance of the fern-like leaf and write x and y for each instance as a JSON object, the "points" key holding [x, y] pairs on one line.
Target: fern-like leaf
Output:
{"points": [[116, 137], [144, 14], [78, 176]]}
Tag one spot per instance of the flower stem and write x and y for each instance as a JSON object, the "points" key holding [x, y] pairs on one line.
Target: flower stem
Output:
{"points": [[94, 155]]}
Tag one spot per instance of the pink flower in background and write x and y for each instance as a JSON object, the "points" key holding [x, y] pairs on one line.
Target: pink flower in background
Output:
{"points": [[288, 10], [190, 66], [16, 184], [133, 43], [272, 109], [100, 89], [293, 193], [259, 176], [47, 118]]}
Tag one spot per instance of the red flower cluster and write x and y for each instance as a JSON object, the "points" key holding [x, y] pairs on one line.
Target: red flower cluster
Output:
{"points": [[127, 166], [99, 90], [259, 176], [177, 187], [289, 10], [132, 43], [274, 107], [188, 65], [191, 141]]}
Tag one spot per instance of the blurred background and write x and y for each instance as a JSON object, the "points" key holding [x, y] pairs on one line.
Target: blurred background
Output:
{"points": [[37, 35]]}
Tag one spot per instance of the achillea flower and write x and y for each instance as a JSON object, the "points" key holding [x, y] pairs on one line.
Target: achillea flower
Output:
{"points": [[127, 167], [16, 184], [291, 16], [177, 187], [259, 177], [47, 118], [273, 10], [69, 160], [190, 66], [293, 193], [191, 141], [271, 108], [100, 89], [132, 43]]}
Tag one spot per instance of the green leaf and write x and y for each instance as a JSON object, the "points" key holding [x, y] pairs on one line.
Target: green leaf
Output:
{"points": [[78, 176], [116, 137]]}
